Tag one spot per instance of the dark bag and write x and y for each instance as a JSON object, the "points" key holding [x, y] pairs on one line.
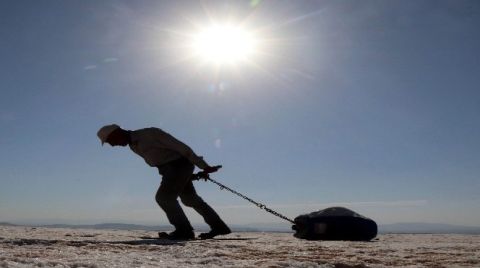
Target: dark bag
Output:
{"points": [[335, 223]]}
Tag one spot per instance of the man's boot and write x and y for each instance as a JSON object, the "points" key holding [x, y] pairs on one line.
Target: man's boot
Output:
{"points": [[223, 230], [177, 235]]}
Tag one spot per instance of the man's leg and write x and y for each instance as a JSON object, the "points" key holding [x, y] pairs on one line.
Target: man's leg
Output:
{"points": [[174, 177], [190, 198]]}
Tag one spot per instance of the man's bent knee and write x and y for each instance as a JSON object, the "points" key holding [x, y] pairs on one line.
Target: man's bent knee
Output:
{"points": [[191, 201], [164, 199]]}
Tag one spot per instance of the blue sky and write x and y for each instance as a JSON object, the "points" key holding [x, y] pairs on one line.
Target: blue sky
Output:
{"points": [[373, 105]]}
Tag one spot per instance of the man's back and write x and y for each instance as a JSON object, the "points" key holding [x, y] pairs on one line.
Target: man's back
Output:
{"points": [[158, 147]]}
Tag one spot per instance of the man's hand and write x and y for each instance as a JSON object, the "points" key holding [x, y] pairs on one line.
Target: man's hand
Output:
{"points": [[204, 174]]}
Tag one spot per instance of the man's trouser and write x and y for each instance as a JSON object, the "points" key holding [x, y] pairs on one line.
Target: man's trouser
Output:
{"points": [[176, 182]]}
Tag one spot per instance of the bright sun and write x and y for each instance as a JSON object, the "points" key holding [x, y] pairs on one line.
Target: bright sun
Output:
{"points": [[224, 44]]}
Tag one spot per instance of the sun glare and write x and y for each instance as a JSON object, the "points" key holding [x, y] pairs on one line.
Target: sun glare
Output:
{"points": [[224, 44]]}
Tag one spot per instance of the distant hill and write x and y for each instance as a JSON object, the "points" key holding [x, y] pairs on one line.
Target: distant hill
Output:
{"points": [[6, 224], [110, 226], [124, 226], [396, 228], [264, 227], [427, 228]]}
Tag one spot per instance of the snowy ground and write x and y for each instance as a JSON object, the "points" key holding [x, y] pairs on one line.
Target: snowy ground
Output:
{"points": [[49, 247]]}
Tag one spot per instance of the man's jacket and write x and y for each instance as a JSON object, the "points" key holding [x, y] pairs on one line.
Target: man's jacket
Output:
{"points": [[157, 148]]}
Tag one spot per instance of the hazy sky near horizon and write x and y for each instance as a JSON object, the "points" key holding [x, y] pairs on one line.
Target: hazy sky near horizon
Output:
{"points": [[372, 105]]}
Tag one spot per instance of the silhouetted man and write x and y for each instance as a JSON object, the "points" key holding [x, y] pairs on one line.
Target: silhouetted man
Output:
{"points": [[175, 162]]}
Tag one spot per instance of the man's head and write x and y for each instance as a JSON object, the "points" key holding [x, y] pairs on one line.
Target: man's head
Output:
{"points": [[113, 135]]}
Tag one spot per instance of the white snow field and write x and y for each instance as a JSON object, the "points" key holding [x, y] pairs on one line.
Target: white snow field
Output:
{"points": [[62, 247]]}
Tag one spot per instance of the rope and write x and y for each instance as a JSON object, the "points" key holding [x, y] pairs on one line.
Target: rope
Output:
{"points": [[258, 204]]}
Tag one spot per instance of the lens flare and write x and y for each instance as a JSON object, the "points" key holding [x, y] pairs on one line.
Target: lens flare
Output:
{"points": [[224, 44]]}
